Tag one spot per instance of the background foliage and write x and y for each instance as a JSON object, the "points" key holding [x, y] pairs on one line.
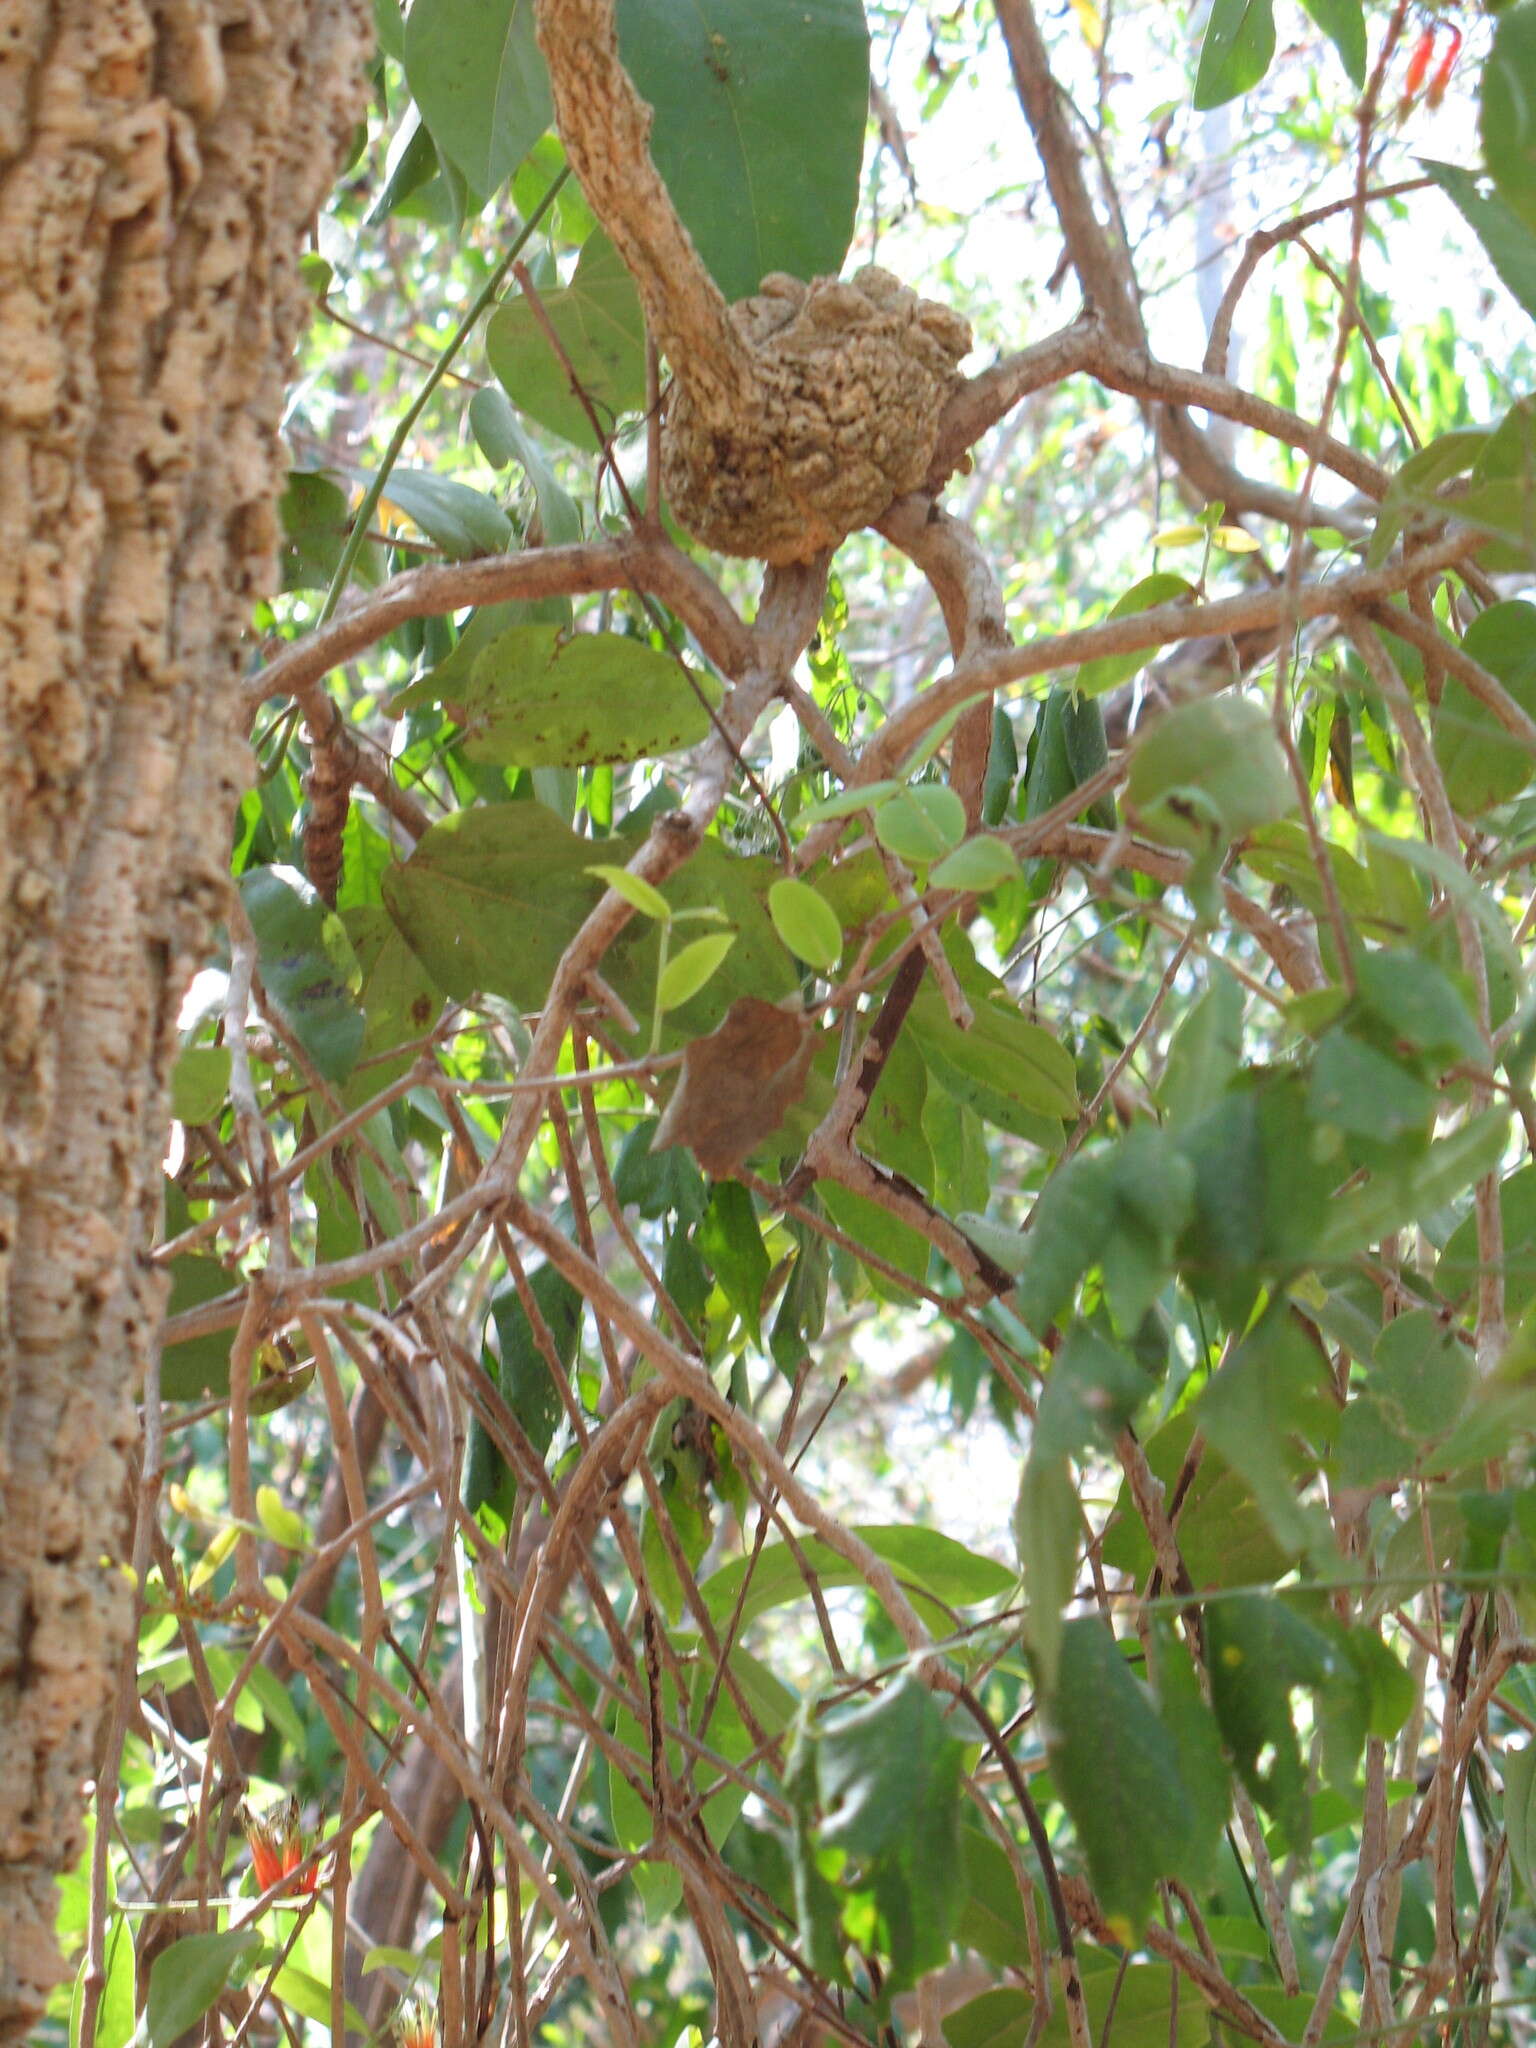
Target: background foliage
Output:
{"points": [[814, 1380]]}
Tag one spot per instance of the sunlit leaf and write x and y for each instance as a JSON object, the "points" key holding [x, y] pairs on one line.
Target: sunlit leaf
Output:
{"points": [[689, 968], [921, 825], [638, 893], [1239, 44], [807, 923]]}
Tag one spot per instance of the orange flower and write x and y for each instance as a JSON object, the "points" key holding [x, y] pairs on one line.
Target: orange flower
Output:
{"points": [[415, 2024], [277, 1847]]}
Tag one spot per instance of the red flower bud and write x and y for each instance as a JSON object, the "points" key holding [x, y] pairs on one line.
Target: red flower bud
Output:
{"points": [[1418, 65], [1447, 65]]}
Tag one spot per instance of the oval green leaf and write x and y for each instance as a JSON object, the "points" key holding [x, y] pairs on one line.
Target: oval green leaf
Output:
{"points": [[279, 1521], [476, 74], [1110, 670], [977, 866], [845, 802], [1209, 772], [636, 891], [686, 973], [806, 923], [758, 132], [921, 825], [602, 331]]}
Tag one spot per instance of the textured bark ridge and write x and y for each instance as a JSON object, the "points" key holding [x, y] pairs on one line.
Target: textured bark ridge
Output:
{"points": [[160, 164], [850, 380], [795, 416]]}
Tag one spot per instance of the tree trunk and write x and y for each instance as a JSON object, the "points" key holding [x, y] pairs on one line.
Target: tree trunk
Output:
{"points": [[160, 162]]}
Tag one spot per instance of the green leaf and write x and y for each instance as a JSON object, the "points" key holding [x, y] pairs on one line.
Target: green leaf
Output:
{"points": [[1358, 1089], [1002, 768], [299, 972], [807, 924], [1067, 1230], [1048, 1534], [992, 1919], [1272, 1393], [888, 1784], [725, 1733], [187, 1977], [598, 319], [526, 1380], [1223, 1536], [1153, 1188], [1507, 239], [491, 898], [1119, 1772], [114, 2011], [389, 29], [1483, 764], [921, 825], [925, 1560], [1069, 745], [1519, 1773], [1412, 1190], [1239, 46], [1202, 1767], [1209, 772], [198, 1365], [1011, 1072], [729, 1239], [1091, 1392], [1150, 2009], [502, 441], [1456, 1272], [1003, 1245], [316, 520], [199, 1083], [536, 697], [462, 522], [845, 803], [1343, 23], [1205, 1051], [688, 970], [1507, 111], [1416, 1002], [1109, 671], [636, 891], [758, 134], [977, 866], [475, 71], [658, 1183], [1259, 1648], [279, 1521], [311, 1996]]}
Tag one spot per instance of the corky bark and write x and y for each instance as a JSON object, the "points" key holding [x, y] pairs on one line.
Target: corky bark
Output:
{"points": [[160, 162]]}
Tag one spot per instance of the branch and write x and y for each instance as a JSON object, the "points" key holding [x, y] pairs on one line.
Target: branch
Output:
{"points": [[606, 127], [1089, 347], [1109, 278], [639, 561]]}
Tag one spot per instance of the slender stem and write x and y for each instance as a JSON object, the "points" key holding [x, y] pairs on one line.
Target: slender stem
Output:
{"points": [[485, 297]]}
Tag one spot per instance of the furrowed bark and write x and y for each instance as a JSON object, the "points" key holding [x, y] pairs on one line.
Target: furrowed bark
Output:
{"points": [[160, 162]]}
